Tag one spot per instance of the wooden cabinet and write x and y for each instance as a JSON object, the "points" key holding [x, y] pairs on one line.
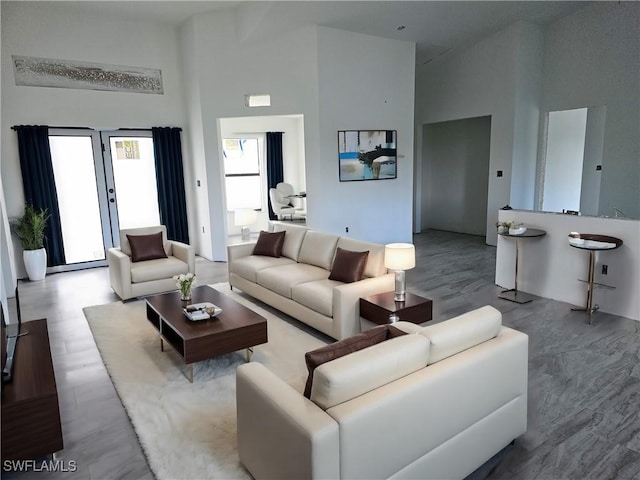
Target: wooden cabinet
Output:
{"points": [[30, 413]]}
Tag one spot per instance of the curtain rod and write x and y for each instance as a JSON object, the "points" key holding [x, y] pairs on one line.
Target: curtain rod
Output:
{"points": [[87, 128], [15, 127]]}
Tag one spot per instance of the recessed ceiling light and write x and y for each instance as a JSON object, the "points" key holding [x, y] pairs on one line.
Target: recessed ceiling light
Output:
{"points": [[401, 27]]}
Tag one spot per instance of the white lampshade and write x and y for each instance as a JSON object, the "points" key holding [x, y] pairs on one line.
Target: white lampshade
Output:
{"points": [[399, 256], [244, 216]]}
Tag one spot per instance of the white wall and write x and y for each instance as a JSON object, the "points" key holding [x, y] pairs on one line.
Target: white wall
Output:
{"points": [[304, 72], [550, 267], [455, 170], [491, 78], [592, 58], [223, 69], [52, 30], [202, 240], [365, 83]]}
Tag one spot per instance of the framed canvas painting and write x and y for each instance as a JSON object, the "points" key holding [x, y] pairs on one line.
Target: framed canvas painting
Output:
{"points": [[367, 155]]}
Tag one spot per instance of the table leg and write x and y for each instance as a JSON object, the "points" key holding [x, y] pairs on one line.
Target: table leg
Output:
{"points": [[191, 372], [590, 308], [515, 281], [249, 353], [161, 345], [513, 295]]}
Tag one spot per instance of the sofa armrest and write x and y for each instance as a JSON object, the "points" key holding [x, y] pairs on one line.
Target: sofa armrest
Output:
{"points": [[282, 434], [346, 302], [120, 272], [239, 250], [184, 252]]}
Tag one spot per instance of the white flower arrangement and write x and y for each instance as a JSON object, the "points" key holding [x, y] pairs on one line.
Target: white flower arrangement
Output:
{"points": [[184, 282]]}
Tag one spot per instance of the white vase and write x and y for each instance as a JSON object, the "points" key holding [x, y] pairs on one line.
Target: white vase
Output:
{"points": [[35, 262]]}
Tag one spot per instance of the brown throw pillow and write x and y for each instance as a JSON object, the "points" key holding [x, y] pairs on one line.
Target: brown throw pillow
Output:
{"points": [[146, 247], [321, 355], [348, 266], [269, 244]]}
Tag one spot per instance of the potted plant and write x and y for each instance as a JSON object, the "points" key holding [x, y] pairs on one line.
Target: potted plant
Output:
{"points": [[29, 228]]}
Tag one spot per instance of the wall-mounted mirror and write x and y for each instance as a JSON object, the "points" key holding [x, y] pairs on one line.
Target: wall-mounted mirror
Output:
{"points": [[571, 163]]}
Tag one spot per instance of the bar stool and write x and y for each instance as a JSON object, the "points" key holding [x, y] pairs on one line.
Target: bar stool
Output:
{"points": [[593, 243]]}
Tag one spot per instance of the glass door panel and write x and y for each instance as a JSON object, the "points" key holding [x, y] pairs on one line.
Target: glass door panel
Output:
{"points": [[81, 210], [134, 180]]}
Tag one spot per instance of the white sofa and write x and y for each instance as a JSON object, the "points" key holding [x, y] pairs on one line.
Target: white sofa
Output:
{"points": [[134, 279], [436, 403], [297, 283]]}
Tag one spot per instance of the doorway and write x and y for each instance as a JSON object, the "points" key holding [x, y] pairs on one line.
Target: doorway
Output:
{"points": [[455, 175], [105, 181]]}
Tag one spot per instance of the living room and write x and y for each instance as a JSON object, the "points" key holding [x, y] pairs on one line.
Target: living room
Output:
{"points": [[303, 67]]}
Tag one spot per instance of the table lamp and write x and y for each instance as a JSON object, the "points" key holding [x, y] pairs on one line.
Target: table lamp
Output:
{"points": [[243, 217], [399, 257]]}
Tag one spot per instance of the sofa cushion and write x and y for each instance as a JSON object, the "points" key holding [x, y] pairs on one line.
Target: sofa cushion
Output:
{"points": [[124, 241], [292, 240], [462, 332], [247, 267], [316, 295], [360, 372], [158, 269], [269, 244], [325, 354], [282, 279], [146, 247], [375, 261], [348, 266], [318, 249]]}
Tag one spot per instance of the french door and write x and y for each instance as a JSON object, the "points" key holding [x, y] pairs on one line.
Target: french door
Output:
{"points": [[105, 181]]}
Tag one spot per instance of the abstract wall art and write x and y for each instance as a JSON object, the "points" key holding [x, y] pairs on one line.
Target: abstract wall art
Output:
{"points": [[367, 154], [48, 72]]}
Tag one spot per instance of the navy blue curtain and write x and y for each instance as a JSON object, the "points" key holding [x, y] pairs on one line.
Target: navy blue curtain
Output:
{"points": [[275, 169], [167, 149], [40, 186]]}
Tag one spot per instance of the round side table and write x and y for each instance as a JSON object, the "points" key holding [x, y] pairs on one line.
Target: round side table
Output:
{"points": [[513, 295]]}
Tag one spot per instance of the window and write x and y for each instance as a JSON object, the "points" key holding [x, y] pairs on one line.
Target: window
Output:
{"points": [[243, 181]]}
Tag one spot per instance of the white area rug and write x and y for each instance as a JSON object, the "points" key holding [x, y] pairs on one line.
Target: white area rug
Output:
{"points": [[188, 430]]}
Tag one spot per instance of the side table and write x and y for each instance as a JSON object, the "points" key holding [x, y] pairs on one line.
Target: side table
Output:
{"points": [[382, 309], [514, 295]]}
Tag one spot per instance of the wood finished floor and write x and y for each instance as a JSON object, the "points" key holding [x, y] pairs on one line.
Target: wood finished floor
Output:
{"points": [[584, 380]]}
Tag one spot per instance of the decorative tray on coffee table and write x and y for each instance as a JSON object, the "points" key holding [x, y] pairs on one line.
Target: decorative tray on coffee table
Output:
{"points": [[201, 311]]}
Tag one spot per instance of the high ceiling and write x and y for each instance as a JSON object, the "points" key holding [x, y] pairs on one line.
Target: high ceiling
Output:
{"points": [[436, 27]]}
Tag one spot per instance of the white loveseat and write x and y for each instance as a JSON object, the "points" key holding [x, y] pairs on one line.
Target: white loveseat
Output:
{"points": [[436, 403], [297, 283], [131, 279]]}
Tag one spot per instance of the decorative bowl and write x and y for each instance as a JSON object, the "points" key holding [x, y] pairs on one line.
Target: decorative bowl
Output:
{"points": [[517, 230]]}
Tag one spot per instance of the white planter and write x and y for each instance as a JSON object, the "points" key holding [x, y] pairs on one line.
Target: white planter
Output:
{"points": [[35, 262]]}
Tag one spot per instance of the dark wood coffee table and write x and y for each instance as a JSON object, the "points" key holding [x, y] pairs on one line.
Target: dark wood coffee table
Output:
{"points": [[236, 328]]}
